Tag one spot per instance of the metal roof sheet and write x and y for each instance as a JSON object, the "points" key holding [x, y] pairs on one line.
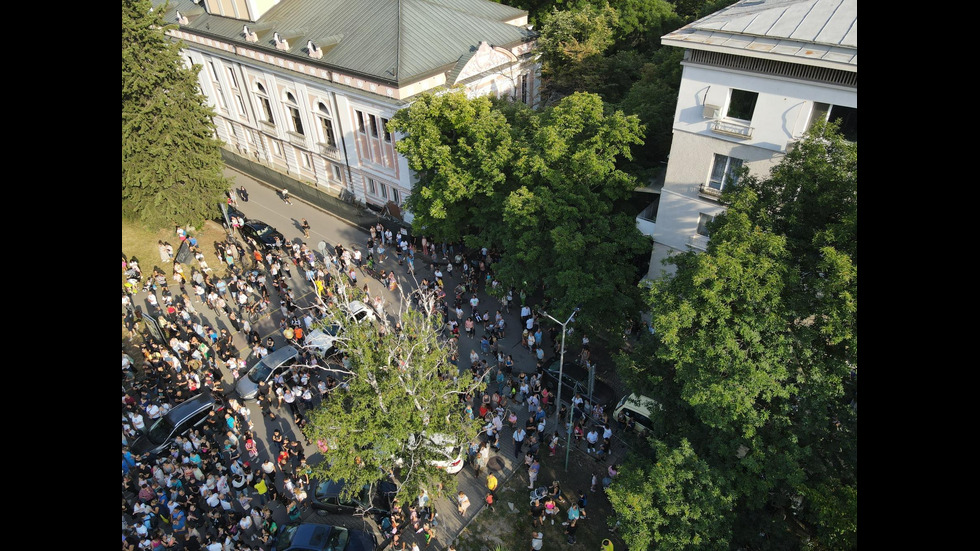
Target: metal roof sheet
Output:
{"points": [[391, 40], [817, 32]]}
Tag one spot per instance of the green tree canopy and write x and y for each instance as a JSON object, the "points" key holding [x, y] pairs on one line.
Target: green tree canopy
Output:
{"points": [[674, 502], [400, 390], [459, 149], [171, 161]]}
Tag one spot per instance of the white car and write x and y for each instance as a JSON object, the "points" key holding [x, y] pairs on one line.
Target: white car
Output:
{"points": [[443, 445], [360, 311], [323, 341]]}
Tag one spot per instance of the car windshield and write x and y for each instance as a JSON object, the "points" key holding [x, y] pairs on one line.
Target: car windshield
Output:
{"points": [[160, 431], [338, 539], [286, 534], [260, 372], [262, 230], [331, 329]]}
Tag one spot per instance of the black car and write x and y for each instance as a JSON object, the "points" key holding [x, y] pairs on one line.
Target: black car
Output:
{"points": [[575, 378], [261, 233], [373, 499], [323, 537], [174, 423]]}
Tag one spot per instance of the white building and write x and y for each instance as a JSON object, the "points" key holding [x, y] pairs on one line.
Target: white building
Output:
{"points": [[306, 87], [755, 76]]}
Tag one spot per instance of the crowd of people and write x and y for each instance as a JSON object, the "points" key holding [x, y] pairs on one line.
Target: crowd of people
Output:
{"points": [[212, 489]]}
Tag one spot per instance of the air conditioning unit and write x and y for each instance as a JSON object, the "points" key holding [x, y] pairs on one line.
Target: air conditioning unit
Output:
{"points": [[711, 111]]}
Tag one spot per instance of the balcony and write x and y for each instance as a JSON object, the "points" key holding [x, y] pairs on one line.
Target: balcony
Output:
{"points": [[698, 242], [731, 128], [708, 192], [296, 138], [328, 150]]}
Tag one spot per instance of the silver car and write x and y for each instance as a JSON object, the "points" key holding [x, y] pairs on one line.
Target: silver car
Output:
{"points": [[264, 370]]}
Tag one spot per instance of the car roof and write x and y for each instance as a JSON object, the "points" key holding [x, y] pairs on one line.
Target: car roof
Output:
{"points": [[190, 406], [643, 405], [279, 357]]}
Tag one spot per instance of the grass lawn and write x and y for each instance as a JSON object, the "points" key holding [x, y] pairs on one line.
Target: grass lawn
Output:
{"points": [[142, 243]]}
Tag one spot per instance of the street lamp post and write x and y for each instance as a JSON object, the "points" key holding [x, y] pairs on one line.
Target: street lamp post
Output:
{"points": [[561, 369]]}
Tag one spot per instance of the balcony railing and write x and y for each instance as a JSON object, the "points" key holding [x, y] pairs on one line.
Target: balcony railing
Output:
{"points": [[328, 150], [732, 128]]}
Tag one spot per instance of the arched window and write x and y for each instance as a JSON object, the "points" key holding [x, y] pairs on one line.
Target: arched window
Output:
{"points": [[264, 101], [293, 107], [326, 124]]}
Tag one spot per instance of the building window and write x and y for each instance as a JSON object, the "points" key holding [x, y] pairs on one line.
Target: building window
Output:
{"points": [[374, 125], [277, 149], [214, 72], [232, 77], [396, 197], [741, 104], [384, 191], [250, 135], [307, 160], [384, 128], [703, 220], [360, 121], [524, 88], [266, 106], [220, 98], [846, 117], [294, 113], [372, 189], [326, 125], [241, 107], [337, 175], [723, 173]]}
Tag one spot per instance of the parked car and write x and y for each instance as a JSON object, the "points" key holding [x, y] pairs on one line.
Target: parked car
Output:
{"points": [[575, 378], [447, 449], [323, 341], [323, 537], [181, 418], [360, 311], [373, 499], [265, 369], [637, 411], [261, 233]]}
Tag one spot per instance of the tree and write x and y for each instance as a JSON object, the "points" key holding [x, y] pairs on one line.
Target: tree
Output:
{"points": [[171, 161], [459, 149], [571, 43], [540, 188], [400, 391], [653, 98], [761, 330], [561, 227], [676, 502]]}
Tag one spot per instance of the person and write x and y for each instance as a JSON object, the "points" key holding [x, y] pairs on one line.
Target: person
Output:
{"points": [[489, 500], [592, 438], [491, 482], [532, 473], [537, 541], [607, 545], [306, 227], [243, 194], [463, 503], [285, 195]]}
